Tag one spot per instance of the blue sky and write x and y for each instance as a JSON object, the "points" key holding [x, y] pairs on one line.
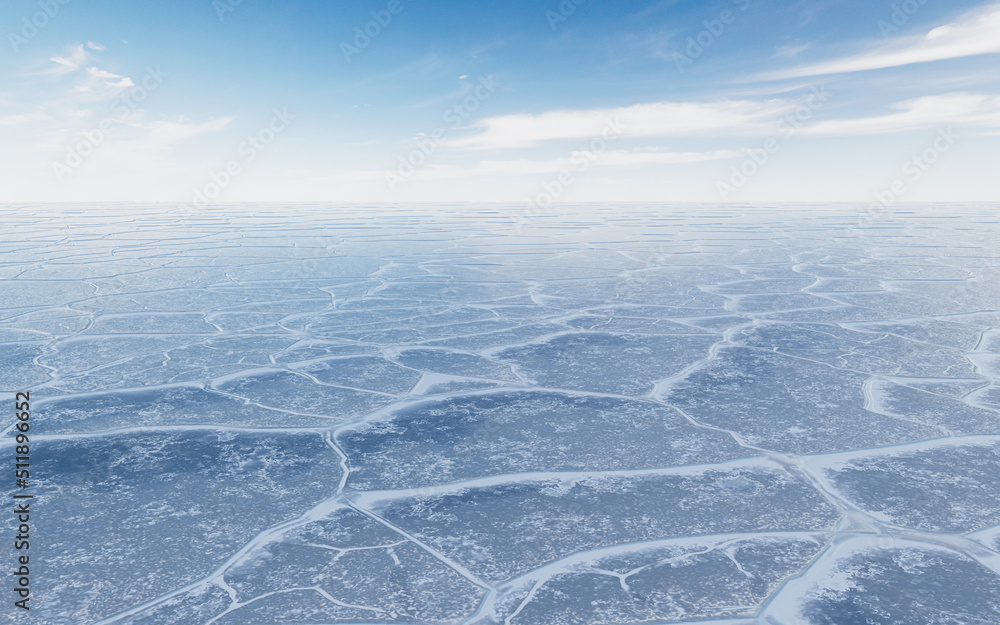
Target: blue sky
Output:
{"points": [[526, 102]]}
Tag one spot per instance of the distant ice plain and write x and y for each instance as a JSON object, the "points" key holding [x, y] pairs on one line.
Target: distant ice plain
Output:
{"points": [[469, 415]]}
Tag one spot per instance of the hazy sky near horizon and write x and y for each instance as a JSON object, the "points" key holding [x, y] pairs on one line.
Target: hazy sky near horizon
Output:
{"points": [[544, 101]]}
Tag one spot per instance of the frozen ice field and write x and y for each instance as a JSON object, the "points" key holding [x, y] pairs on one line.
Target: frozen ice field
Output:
{"points": [[465, 415]]}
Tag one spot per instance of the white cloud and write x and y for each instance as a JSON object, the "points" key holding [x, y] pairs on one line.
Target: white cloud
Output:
{"points": [[48, 115], [96, 82], [659, 119], [75, 58], [95, 46], [790, 51], [105, 82], [958, 109], [973, 34]]}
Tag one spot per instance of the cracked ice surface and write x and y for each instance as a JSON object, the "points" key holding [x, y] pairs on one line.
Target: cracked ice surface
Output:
{"points": [[604, 415]]}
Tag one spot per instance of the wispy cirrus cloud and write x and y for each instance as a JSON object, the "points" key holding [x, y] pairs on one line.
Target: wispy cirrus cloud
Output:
{"points": [[955, 109], [726, 119], [79, 124], [103, 82], [96, 82], [658, 119], [973, 34], [75, 58]]}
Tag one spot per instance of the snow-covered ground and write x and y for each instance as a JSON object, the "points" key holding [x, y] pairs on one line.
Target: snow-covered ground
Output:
{"points": [[464, 415]]}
